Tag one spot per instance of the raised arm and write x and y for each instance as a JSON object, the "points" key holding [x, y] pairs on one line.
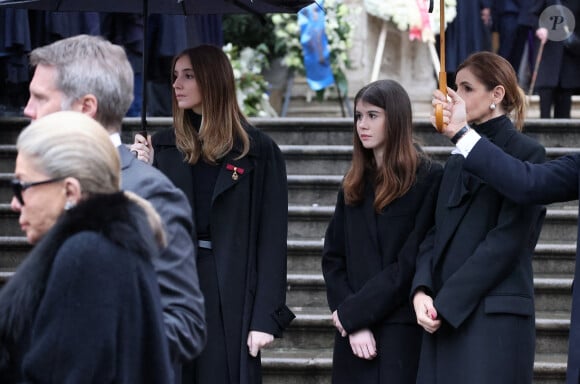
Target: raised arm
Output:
{"points": [[522, 182]]}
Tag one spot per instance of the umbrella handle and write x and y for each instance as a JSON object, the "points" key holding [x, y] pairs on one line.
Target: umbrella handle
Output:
{"points": [[439, 124]]}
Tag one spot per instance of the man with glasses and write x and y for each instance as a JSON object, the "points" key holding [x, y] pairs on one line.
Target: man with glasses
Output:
{"points": [[90, 75]]}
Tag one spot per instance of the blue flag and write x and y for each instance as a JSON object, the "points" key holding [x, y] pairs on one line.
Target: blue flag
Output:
{"points": [[315, 49]]}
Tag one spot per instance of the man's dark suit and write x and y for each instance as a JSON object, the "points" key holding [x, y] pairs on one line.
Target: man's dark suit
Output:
{"points": [[525, 183]]}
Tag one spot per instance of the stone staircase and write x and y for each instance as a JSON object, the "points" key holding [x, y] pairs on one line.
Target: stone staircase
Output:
{"points": [[317, 152], [303, 103]]}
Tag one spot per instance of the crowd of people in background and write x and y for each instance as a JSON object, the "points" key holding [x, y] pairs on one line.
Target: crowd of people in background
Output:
{"points": [[516, 23], [509, 27], [24, 30]]}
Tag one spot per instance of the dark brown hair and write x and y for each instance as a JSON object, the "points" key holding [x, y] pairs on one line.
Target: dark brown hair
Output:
{"points": [[396, 175], [493, 70], [222, 119]]}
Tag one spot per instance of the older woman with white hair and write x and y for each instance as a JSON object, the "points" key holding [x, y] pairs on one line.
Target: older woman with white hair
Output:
{"points": [[84, 306]]}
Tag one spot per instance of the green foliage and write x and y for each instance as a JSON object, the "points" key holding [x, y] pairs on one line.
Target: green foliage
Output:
{"points": [[339, 33], [251, 87], [287, 35], [246, 30], [252, 42]]}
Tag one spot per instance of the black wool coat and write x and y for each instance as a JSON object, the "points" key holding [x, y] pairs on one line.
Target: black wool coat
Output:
{"points": [[476, 264], [248, 223], [368, 275], [84, 306], [554, 181]]}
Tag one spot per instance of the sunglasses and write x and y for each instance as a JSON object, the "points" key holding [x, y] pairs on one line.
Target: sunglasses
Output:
{"points": [[18, 187]]}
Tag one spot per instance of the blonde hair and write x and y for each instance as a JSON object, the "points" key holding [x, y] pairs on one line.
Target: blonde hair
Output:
{"points": [[222, 120], [71, 144]]}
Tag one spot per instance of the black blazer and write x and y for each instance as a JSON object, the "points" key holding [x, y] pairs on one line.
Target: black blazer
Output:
{"points": [[476, 263], [527, 183]]}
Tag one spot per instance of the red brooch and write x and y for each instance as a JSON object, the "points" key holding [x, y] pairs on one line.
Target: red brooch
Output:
{"points": [[237, 170]]}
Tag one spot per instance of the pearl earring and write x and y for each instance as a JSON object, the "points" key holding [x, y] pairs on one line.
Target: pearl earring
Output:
{"points": [[492, 106], [68, 205]]}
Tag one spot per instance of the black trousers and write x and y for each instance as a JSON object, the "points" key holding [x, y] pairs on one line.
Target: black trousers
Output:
{"points": [[560, 98]]}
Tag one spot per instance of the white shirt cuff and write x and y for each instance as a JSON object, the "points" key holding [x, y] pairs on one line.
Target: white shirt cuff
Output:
{"points": [[467, 142]]}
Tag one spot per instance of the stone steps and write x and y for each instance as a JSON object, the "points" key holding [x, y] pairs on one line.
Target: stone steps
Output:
{"points": [[313, 159], [314, 367], [330, 131], [304, 105], [310, 222], [312, 364], [317, 151]]}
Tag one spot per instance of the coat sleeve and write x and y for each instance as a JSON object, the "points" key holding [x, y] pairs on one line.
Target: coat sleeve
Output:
{"points": [[334, 257], [389, 289], [74, 334], [270, 313], [176, 267], [524, 182], [181, 297], [423, 278]]}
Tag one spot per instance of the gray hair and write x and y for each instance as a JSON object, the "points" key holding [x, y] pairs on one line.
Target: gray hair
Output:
{"points": [[71, 144], [91, 65]]}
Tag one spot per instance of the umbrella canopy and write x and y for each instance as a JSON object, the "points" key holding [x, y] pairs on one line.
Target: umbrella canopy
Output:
{"points": [[147, 7], [184, 7]]}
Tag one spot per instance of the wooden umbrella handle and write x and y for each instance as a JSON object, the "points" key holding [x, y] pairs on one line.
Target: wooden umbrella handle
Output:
{"points": [[442, 74]]}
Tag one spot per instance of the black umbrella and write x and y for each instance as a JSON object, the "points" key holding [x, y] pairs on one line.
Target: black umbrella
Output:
{"points": [[147, 7], [184, 7]]}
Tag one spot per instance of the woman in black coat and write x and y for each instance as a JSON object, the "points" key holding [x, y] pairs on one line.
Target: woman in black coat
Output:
{"points": [[383, 211], [473, 289], [84, 306], [557, 77], [235, 178]]}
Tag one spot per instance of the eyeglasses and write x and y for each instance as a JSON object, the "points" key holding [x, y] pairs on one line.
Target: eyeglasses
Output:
{"points": [[18, 187]]}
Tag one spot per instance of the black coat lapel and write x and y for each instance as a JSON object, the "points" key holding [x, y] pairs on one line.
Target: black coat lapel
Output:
{"points": [[453, 200], [228, 177]]}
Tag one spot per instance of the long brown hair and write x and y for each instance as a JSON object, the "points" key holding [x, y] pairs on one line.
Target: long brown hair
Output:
{"points": [[396, 175], [222, 120], [493, 70]]}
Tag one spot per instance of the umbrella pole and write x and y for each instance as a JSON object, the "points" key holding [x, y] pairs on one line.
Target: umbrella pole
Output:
{"points": [[144, 70], [442, 74]]}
